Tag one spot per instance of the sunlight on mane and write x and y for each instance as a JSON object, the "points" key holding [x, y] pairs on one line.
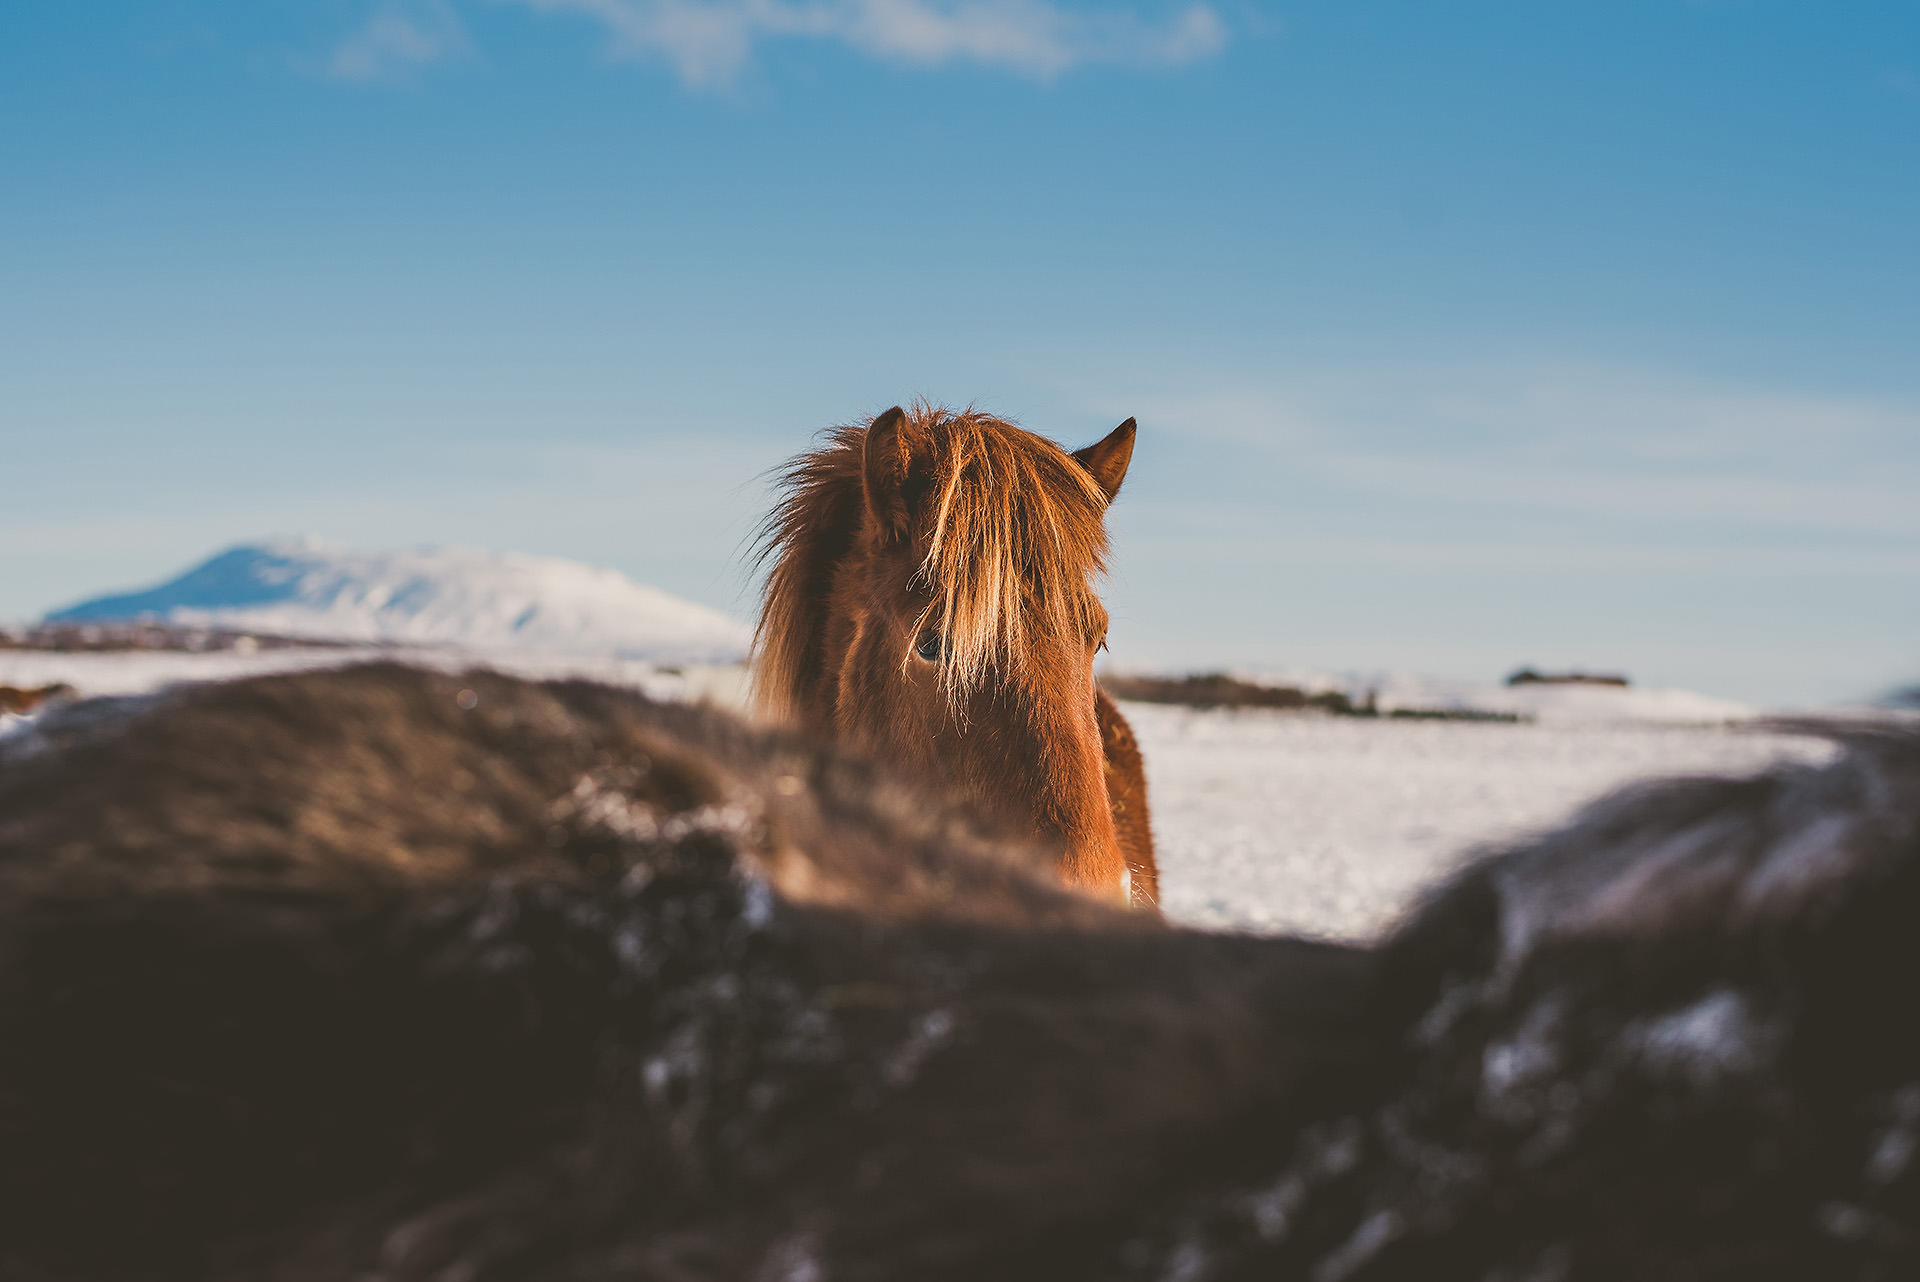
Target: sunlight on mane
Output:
{"points": [[1013, 529]]}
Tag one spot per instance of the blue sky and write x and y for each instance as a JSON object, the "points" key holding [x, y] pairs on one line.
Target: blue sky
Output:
{"points": [[1460, 335]]}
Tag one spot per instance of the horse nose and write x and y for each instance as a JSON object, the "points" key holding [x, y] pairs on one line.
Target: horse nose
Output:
{"points": [[1094, 866], [1065, 790], [1092, 861]]}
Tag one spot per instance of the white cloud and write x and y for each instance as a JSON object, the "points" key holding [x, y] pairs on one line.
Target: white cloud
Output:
{"points": [[708, 41], [397, 38]]}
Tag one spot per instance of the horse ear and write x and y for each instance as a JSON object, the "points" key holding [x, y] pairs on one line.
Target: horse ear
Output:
{"points": [[1106, 462], [885, 459]]}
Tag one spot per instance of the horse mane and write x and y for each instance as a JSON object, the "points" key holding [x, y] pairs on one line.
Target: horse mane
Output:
{"points": [[1013, 529]]}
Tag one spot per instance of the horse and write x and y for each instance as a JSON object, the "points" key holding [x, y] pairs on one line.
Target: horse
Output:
{"points": [[930, 602]]}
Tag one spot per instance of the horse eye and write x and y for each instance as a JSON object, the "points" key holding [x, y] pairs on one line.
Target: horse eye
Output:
{"points": [[928, 646]]}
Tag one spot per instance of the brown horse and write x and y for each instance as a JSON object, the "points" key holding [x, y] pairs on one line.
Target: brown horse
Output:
{"points": [[931, 603]]}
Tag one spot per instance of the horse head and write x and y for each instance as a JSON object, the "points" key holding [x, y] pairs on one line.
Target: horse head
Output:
{"points": [[931, 603]]}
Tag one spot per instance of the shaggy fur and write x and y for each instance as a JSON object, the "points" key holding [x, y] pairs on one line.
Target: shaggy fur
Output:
{"points": [[352, 975], [961, 532], [328, 976], [1672, 1041]]}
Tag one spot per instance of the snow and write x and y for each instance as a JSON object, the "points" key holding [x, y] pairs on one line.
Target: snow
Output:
{"points": [[1289, 822], [1565, 705], [1719, 1035], [1545, 703], [1265, 821], [451, 596]]}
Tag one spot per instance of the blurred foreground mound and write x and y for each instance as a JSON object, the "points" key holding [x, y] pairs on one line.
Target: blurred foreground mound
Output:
{"points": [[384, 974]]}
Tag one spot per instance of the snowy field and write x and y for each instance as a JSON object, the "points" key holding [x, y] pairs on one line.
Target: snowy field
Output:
{"points": [[1283, 822], [1266, 821]]}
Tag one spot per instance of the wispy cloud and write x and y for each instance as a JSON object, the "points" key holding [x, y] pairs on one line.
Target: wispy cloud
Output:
{"points": [[1636, 447], [398, 38], [707, 42]]}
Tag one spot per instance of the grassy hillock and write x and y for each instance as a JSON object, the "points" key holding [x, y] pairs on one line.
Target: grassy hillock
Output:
{"points": [[1218, 690], [93, 638]]}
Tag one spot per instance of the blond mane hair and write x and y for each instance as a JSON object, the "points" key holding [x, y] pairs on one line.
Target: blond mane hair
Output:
{"points": [[1013, 532]]}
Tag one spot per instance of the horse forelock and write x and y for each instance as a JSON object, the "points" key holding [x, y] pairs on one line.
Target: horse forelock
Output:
{"points": [[1013, 530], [1014, 535]]}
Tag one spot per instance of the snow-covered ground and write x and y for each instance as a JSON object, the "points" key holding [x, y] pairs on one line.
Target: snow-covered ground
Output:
{"points": [[142, 671], [482, 600], [1288, 822], [1266, 821], [1547, 703]]}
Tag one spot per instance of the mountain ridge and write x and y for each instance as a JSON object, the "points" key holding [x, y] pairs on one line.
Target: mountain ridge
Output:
{"points": [[461, 597]]}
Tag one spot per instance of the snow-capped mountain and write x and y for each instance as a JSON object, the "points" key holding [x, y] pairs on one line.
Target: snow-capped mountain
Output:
{"points": [[452, 596]]}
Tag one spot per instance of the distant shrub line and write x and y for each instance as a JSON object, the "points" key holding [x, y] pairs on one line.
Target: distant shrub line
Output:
{"points": [[78, 638], [1218, 690]]}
